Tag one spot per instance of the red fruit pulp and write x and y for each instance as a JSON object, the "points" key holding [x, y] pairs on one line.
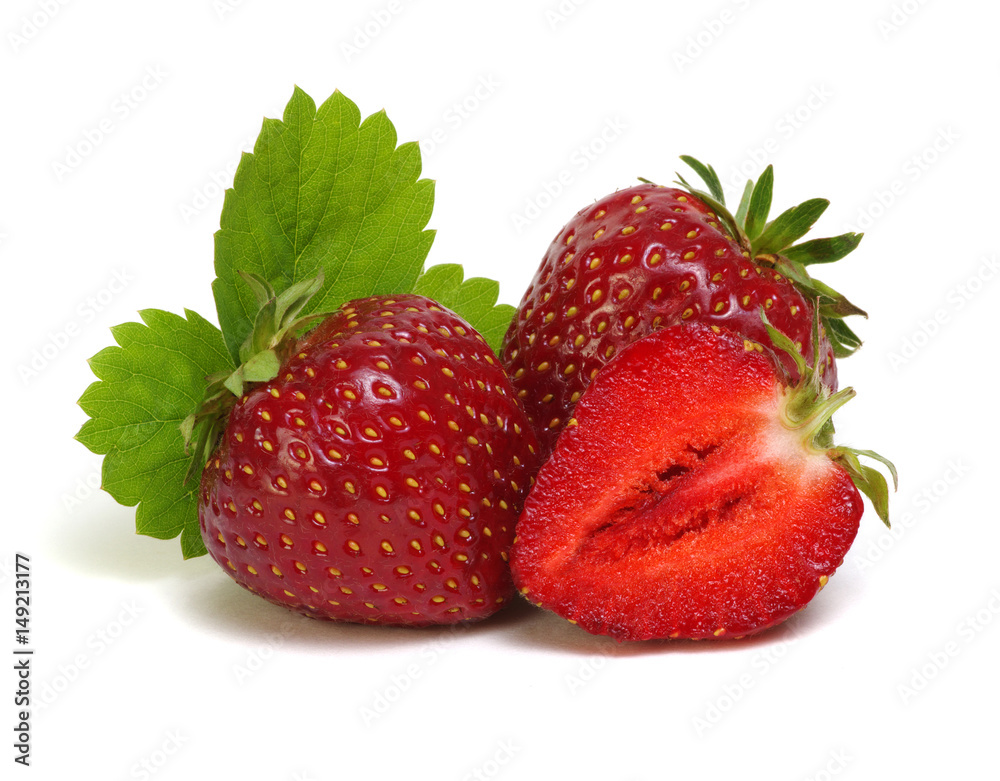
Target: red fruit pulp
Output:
{"points": [[679, 503]]}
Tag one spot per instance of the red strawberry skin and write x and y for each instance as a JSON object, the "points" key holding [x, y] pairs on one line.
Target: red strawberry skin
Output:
{"points": [[379, 476], [639, 259], [678, 503]]}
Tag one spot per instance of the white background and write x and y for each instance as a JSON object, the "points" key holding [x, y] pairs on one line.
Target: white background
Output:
{"points": [[147, 666]]}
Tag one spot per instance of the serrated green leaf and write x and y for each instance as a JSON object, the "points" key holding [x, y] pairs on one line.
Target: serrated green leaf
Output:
{"points": [[474, 299], [322, 192], [146, 388], [790, 226]]}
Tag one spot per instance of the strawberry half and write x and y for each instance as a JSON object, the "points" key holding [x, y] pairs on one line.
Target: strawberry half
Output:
{"points": [[652, 256], [694, 494], [378, 477]]}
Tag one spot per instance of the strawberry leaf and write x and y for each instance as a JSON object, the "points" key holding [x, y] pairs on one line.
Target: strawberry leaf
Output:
{"points": [[708, 176], [772, 243], [785, 344], [474, 300], [322, 192], [147, 386], [789, 226], [760, 204], [870, 481], [845, 342], [744, 207], [326, 209], [823, 250]]}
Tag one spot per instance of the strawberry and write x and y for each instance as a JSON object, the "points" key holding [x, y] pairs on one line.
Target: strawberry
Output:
{"points": [[695, 493], [364, 461], [651, 256], [377, 478]]}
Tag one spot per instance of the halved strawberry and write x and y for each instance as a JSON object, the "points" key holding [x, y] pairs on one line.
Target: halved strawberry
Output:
{"points": [[694, 493]]}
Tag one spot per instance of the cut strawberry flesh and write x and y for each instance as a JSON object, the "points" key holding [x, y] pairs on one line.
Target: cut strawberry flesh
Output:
{"points": [[679, 504]]}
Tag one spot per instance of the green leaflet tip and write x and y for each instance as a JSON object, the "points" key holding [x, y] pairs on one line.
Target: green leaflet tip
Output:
{"points": [[870, 481], [314, 177], [175, 355], [773, 243]]}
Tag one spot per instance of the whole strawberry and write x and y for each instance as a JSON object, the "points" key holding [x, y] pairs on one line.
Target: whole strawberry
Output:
{"points": [[652, 256], [362, 461], [377, 478]]}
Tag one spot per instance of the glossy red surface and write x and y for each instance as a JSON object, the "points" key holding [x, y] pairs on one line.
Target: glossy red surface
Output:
{"points": [[379, 477], [643, 258]]}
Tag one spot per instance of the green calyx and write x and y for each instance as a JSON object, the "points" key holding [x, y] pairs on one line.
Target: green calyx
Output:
{"points": [[809, 405], [773, 243], [808, 411], [275, 326]]}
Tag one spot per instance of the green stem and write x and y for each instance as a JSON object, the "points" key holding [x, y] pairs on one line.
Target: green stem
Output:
{"points": [[813, 423]]}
